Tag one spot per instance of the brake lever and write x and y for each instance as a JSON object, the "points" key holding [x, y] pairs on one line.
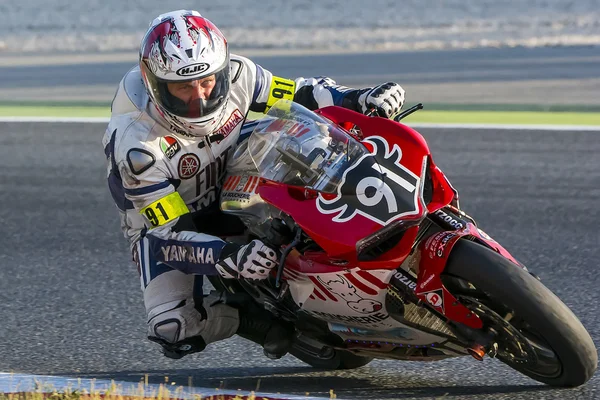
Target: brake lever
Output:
{"points": [[407, 112]]}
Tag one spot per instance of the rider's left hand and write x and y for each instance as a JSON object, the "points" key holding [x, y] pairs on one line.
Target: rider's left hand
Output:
{"points": [[387, 99], [252, 261]]}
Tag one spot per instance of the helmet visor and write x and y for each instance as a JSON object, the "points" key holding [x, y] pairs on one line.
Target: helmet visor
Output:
{"points": [[182, 99]]}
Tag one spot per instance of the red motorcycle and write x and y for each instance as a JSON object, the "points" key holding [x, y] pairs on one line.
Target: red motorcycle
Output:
{"points": [[377, 258]]}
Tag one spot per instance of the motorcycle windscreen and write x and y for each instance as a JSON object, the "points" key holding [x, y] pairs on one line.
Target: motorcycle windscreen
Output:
{"points": [[294, 146]]}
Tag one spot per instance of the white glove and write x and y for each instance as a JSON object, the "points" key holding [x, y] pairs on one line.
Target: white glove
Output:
{"points": [[252, 261], [387, 98]]}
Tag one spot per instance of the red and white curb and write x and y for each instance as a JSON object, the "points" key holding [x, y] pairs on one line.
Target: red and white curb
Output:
{"points": [[23, 383]]}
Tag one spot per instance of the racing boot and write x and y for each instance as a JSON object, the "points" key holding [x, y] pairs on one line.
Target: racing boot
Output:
{"points": [[275, 336], [262, 327]]}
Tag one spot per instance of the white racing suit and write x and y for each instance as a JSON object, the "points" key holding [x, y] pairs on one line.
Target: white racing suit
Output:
{"points": [[163, 182]]}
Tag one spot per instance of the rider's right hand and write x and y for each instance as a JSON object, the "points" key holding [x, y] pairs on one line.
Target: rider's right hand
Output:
{"points": [[387, 99], [252, 261]]}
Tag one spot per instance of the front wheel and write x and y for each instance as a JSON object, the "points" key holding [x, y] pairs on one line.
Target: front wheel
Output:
{"points": [[536, 333]]}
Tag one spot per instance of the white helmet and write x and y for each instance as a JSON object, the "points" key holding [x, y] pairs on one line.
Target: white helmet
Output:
{"points": [[183, 46]]}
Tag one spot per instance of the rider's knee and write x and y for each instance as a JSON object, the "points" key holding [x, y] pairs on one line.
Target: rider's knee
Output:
{"points": [[171, 322], [179, 320]]}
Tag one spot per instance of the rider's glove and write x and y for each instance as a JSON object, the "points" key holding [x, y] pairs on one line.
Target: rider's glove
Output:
{"points": [[387, 99], [252, 261]]}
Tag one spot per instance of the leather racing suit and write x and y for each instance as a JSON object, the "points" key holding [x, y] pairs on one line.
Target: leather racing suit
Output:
{"points": [[165, 185]]}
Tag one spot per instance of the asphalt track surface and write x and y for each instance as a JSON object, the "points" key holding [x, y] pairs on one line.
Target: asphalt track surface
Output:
{"points": [[71, 302], [531, 76]]}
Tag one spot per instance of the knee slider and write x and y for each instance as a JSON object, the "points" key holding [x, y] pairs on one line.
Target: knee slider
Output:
{"points": [[169, 330], [170, 324]]}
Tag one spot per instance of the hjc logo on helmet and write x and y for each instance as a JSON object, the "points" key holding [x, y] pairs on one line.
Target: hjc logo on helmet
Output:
{"points": [[193, 69]]}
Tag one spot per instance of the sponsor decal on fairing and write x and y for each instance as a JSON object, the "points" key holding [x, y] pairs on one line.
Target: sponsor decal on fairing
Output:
{"points": [[377, 187], [436, 244], [238, 187], [347, 292], [435, 298], [405, 279], [453, 222], [484, 235]]}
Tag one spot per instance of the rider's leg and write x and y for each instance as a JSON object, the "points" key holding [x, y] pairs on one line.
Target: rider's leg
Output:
{"points": [[182, 321], [177, 319]]}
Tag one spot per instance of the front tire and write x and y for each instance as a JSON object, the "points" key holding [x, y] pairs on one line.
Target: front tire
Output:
{"points": [[537, 313]]}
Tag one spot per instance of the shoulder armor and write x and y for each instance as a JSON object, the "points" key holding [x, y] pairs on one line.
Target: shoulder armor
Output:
{"points": [[236, 69], [131, 94], [139, 160]]}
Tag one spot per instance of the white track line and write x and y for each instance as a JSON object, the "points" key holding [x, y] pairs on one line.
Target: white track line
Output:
{"points": [[104, 120], [19, 383]]}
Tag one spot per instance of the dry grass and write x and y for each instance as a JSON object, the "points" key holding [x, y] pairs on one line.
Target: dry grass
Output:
{"points": [[165, 391], [116, 393], [99, 396]]}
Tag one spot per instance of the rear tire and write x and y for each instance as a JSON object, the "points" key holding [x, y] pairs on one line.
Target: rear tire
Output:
{"points": [[512, 287]]}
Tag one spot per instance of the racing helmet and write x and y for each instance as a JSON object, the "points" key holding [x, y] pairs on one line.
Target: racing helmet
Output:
{"points": [[182, 46]]}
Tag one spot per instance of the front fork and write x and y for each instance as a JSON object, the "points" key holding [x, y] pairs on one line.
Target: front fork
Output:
{"points": [[449, 225]]}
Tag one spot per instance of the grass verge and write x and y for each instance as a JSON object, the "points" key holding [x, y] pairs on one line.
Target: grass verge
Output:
{"points": [[427, 116], [58, 111], [505, 117]]}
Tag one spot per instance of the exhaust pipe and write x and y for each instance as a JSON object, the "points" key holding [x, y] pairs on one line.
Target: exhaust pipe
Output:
{"points": [[477, 351]]}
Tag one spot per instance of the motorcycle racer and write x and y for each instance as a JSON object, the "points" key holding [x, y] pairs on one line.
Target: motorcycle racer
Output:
{"points": [[176, 118]]}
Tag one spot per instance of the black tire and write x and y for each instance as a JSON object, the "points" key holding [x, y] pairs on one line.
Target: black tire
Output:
{"points": [[336, 360], [532, 302]]}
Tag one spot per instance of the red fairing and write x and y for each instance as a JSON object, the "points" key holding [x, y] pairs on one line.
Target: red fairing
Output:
{"points": [[413, 145], [491, 243], [338, 238], [443, 192], [398, 149], [434, 256]]}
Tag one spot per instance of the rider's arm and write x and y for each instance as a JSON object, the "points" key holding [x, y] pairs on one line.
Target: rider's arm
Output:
{"points": [[140, 180], [264, 89]]}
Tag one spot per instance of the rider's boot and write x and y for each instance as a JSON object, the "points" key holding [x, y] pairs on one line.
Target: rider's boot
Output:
{"points": [[275, 336], [262, 327]]}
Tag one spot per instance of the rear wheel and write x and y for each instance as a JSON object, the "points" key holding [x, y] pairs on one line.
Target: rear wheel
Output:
{"points": [[536, 333]]}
